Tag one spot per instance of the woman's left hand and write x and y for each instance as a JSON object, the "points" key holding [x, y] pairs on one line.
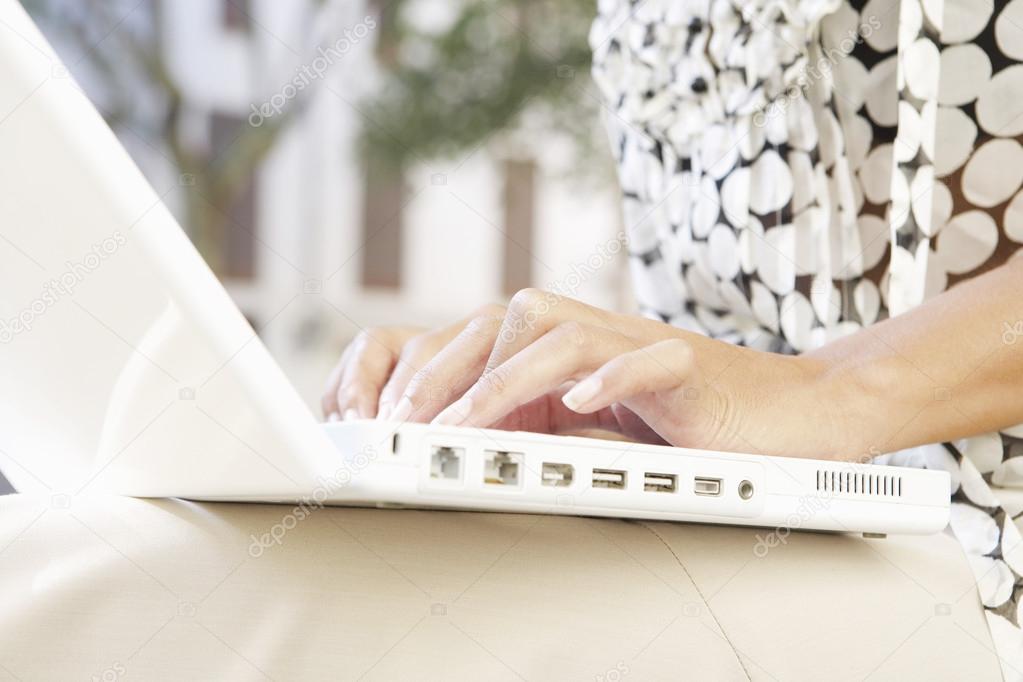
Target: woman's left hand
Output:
{"points": [[552, 355]]}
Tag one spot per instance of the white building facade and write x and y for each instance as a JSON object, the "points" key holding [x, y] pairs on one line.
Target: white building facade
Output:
{"points": [[309, 286]]}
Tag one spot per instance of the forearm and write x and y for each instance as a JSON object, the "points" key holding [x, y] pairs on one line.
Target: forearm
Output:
{"points": [[950, 368]]}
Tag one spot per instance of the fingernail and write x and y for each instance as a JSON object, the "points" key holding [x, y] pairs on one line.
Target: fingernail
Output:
{"points": [[384, 411], [333, 417], [582, 393], [402, 411], [455, 413], [350, 414]]}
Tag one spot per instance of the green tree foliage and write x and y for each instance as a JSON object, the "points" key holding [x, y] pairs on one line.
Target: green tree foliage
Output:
{"points": [[448, 89]]}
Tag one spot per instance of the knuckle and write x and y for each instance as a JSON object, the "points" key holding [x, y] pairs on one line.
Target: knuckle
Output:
{"points": [[572, 333], [423, 390], [494, 380], [679, 346], [415, 346], [370, 333], [526, 309], [618, 367], [349, 393], [419, 384], [381, 340], [424, 375], [681, 352], [366, 339], [424, 346], [526, 299], [482, 328], [490, 310]]}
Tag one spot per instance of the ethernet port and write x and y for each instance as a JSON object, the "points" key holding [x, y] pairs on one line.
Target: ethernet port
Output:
{"points": [[557, 475], [502, 468], [446, 462]]}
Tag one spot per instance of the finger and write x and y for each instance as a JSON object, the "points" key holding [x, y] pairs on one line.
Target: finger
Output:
{"points": [[328, 401], [414, 361], [451, 372], [414, 355], [534, 312], [659, 367], [547, 414], [632, 426], [563, 354], [374, 353]]}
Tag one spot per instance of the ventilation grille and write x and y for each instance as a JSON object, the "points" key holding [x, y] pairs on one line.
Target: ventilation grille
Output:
{"points": [[858, 483]]}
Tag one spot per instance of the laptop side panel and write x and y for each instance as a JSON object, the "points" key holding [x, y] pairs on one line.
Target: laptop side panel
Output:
{"points": [[451, 467]]}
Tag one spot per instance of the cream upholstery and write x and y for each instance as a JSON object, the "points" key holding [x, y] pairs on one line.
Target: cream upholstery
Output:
{"points": [[105, 587]]}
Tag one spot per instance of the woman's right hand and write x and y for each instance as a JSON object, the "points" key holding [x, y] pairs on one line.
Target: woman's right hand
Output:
{"points": [[411, 374], [381, 362]]}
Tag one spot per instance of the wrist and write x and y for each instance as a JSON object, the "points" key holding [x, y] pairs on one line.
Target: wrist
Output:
{"points": [[859, 402], [822, 409]]}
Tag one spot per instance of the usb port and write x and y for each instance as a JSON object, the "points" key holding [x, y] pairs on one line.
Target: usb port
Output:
{"points": [[609, 478], [446, 462], [502, 468], [557, 475], [707, 486], [660, 483]]}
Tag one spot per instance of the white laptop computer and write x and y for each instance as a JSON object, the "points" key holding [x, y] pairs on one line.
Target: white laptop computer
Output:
{"points": [[127, 368]]}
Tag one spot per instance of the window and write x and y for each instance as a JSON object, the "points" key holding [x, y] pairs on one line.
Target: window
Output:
{"points": [[233, 223], [236, 14], [384, 199], [519, 209]]}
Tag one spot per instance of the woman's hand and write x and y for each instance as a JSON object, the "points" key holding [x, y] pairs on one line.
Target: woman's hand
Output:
{"points": [[553, 364], [942, 371], [376, 367], [435, 368]]}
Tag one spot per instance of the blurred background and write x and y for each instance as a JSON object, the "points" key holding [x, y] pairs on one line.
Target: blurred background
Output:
{"points": [[346, 164]]}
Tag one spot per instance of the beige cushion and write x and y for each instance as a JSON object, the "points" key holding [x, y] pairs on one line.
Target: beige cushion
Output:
{"points": [[171, 590]]}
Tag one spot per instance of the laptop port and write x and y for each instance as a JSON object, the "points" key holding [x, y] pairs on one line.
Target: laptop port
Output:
{"points": [[502, 468], [446, 462], [609, 478], [660, 483], [746, 490], [707, 486], [557, 475]]}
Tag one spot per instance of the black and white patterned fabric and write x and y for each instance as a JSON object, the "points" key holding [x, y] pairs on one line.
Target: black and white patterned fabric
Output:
{"points": [[794, 170]]}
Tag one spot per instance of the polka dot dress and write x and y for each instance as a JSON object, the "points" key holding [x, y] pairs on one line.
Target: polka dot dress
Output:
{"points": [[794, 170]]}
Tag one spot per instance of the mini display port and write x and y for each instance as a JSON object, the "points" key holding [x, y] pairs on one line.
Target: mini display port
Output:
{"points": [[660, 483], [609, 478], [502, 468], [707, 486], [446, 462], [557, 475]]}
